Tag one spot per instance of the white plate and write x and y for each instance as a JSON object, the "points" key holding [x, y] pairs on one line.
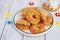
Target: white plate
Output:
{"points": [[27, 32]]}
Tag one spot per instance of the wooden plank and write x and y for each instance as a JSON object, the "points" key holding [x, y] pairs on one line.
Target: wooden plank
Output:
{"points": [[11, 33], [37, 3], [34, 38], [54, 34], [16, 6], [4, 9]]}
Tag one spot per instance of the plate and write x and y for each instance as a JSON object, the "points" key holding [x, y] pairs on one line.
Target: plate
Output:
{"points": [[27, 32]]}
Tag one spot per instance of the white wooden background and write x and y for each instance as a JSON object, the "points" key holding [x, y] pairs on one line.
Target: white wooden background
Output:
{"points": [[7, 32]]}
